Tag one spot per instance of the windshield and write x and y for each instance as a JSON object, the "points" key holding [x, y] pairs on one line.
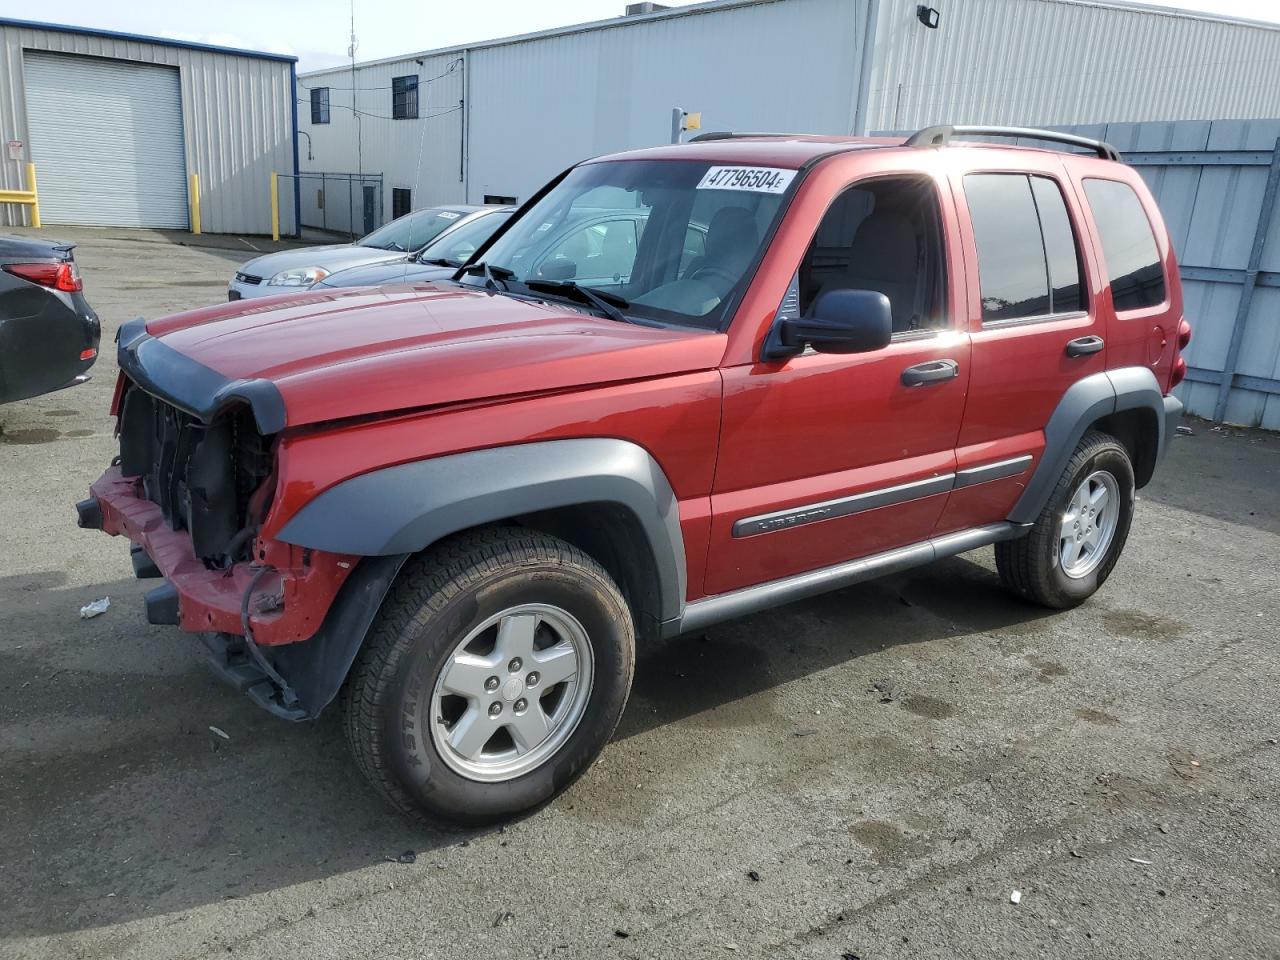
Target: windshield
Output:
{"points": [[413, 231], [664, 240], [457, 245]]}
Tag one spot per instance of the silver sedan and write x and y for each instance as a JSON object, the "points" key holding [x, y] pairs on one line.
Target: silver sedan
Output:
{"points": [[298, 269]]}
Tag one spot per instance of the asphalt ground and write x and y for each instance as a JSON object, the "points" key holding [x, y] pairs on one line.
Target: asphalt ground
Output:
{"points": [[869, 774]]}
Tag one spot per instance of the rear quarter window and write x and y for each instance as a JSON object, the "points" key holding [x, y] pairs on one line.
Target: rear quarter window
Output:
{"points": [[1129, 246]]}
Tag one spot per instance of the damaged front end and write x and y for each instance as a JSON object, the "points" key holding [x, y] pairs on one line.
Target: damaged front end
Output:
{"points": [[192, 488]]}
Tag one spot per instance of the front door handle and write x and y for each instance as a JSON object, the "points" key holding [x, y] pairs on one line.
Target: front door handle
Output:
{"points": [[934, 371], [1083, 346]]}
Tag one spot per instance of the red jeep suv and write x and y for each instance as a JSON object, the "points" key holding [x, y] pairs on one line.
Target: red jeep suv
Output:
{"points": [[680, 385]]}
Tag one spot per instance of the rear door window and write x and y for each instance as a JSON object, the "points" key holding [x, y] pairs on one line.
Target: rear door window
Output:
{"points": [[1128, 245], [1059, 247], [1028, 258]]}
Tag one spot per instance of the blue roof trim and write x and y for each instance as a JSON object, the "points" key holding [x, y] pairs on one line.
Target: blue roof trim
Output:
{"points": [[297, 181], [142, 38]]}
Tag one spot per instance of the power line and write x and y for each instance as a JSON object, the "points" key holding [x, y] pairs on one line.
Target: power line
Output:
{"points": [[421, 83], [383, 116]]}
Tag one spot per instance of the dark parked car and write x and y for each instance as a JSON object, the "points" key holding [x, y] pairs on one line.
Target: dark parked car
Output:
{"points": [[439, 260], [48, 332]]}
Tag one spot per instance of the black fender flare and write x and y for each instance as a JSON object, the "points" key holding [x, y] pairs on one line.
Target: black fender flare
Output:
{"points": [[406, 508], [317, 667], [1085, 402]]}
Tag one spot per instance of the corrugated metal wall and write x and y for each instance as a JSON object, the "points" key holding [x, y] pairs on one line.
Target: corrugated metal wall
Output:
{"points": [[423, 155], [1210, 181], [1064, 62], [538, 106], [237, 121]]}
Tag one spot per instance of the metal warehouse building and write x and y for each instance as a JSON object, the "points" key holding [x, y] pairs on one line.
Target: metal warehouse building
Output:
{"points": [[117, 124], [495, 120]]}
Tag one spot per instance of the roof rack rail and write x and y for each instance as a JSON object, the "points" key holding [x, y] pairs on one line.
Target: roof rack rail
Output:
{"points": [[941, 135], [731, 135]]}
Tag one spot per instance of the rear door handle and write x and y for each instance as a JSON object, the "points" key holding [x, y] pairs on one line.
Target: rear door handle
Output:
{"points": [[934, 371], [1083, 346]]}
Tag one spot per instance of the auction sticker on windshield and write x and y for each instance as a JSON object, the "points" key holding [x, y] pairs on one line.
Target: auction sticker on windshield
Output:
{"points": [[751, 179]]}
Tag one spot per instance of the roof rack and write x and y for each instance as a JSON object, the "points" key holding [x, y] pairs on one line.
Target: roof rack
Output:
{"points": [[941, 135], [731, 135]]}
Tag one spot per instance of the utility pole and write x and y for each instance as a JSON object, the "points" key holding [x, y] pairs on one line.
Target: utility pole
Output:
{"points": [[355, 108]]}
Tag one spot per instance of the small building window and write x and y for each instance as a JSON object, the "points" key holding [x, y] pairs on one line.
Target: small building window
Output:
{"points": [[499, 198], [404, 98], [320, 105], [401, 201]]}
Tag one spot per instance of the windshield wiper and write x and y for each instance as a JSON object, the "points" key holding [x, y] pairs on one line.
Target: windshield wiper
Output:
{"points": [[607, 303], [441, 262], [492, 275]]}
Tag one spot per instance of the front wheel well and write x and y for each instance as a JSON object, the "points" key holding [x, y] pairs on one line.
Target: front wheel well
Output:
{"points": [[612, 536], [1138, 431]]}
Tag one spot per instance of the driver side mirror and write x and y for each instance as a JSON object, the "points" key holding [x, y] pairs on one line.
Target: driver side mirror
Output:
{"points": [[840, 321]]}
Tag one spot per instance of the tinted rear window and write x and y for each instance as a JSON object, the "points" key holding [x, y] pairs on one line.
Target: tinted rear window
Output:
{"points": [[1133, 260]]}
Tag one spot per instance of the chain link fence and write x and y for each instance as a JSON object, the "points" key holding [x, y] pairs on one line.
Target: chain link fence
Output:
{"points": [[342, 203]]}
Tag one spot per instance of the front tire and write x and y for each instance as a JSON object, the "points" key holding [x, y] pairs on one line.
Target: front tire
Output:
{"points": [[496, 671], [1077, 539]]}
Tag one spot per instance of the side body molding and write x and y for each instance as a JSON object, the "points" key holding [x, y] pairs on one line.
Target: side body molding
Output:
{"points": [[1095, 396], [406, 508]]}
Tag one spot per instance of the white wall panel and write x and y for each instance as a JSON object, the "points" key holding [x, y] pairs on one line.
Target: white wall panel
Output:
{"points": [[540, 105], [1068, 62], [422, 155]]}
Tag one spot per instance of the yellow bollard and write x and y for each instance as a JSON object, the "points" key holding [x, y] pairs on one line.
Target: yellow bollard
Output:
{"points": [[194, 196], [275, 205], [35, 196], [28, 197]]}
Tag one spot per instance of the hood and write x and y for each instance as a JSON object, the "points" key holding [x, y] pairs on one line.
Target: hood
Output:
{"points": [[333, 257], [348, 353], [379, 274]]}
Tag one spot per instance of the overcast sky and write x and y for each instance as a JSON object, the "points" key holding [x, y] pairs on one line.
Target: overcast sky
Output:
{"points": [[317, 31]]}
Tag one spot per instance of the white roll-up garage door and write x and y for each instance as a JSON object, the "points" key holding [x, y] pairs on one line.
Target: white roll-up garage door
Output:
{"points": [[106, 137]]}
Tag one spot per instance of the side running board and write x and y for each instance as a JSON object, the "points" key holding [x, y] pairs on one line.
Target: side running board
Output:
{"points": [[726, 606]]}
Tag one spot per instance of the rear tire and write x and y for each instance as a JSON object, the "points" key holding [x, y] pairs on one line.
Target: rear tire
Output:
{"points": [[1077, 539], [429, 726]]}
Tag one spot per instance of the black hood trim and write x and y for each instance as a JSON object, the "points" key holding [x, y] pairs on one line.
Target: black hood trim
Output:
{"points": [[191, 386]]}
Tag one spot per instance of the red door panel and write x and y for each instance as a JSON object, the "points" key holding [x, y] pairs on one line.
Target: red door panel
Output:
{"points": [[1020, 367], [820, 428], [984, 501]]}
